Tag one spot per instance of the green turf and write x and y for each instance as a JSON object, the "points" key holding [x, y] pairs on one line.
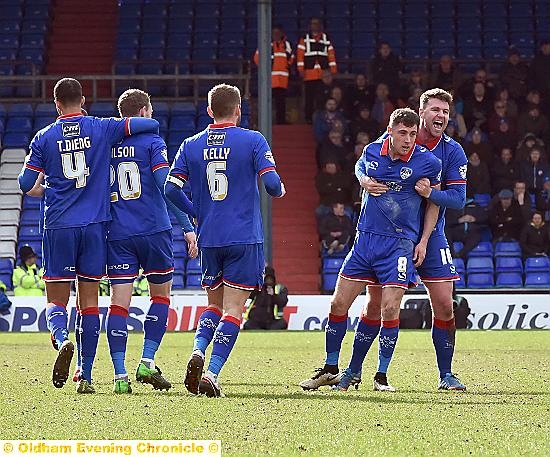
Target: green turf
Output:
{"points": [[506, 410]]}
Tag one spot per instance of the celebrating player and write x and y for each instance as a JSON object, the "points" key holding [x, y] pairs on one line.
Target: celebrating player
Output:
{"points": [[73, 155], [437, 271], [222, 164], [140, 235], [384, 249]]}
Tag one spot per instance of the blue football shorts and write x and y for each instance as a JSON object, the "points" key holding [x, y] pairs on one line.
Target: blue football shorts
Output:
{"points": [[438, 263]]}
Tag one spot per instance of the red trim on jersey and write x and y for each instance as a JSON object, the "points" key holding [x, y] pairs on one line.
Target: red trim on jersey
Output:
{"points": [[446, 325], [93, 311], [33, 168], [222, 125], [263, 171], [213, 286], [456, 181], [231, 319], [213, 309], [127, 127], [390, 324], [158, 272], [238, 286], [431, 145], [386, 147], [336, 318], [160, 299], [180, 176], [56, 303], [70, 115], [352, 278], [368, 321], [158, 166], [117, 310]]}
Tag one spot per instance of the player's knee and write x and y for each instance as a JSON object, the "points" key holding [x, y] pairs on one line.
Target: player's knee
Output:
{"points": [[443, 309], [339, 306]]}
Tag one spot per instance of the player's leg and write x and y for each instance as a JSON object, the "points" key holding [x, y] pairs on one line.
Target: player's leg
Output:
{"points": [[77, 337], [59, 247]]}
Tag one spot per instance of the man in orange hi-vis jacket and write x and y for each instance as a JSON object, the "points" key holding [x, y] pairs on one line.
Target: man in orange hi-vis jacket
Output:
{"points": [[315, 54], [282, 58]]}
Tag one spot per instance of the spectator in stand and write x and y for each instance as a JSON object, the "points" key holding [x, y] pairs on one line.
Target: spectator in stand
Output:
{"points": [[333, 186], [498, 116], [361, 140], [477, 107], [505, 217], [503, 95], [479, 145], [533, 121], [540, 69], [452, 131], [336, 229], [534, 172], [523, 199], [529, 142], [479, 180], [27, 275], [458, 120], [543, 199], [504, 171], [514, 74], [358, 94], [535, 237], [325, 90], [480, 76], [282, 57], [385, 67], [333, 149], [382, 107], [315, 54], [447, 76], [323, 121], [337, 94], [364, 123], [465, 225], [503, 137]]}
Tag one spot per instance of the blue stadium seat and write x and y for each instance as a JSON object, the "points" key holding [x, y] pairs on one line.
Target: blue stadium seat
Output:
{"points": [[180, 25], [329, 281], [9, 41], [126, 54], [30, 217], [21, 110], [457, 246], [180, 40], [180, 248], [480, 280], [153, 10], [31, 203], [45, 110], [459, 265], [127, 40], [19, 124], [16, 140], [181, 10], [33, 40], [507, 249], [332, 264], [183, 122], [41, 122], [480, 265], [130, 11], [537, 264], [483, 249], [6, 277], [193, 266], [9, 27], [482, 199], [6, 265], [29, 233], [184, 108], [156, 54], [193, 281], [102, 109], [152, 40], [509, 280], [179, 265], [154, 26], [37, 11], [509, 265], [178, 282], [461, 282], [494, 23], [537, 280]]}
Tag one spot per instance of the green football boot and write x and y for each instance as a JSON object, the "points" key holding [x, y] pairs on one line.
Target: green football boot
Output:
{"points": [[152, 376], [122, 386]]}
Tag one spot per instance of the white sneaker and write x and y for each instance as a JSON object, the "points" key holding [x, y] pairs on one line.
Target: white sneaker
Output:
{"points": [[320, 378], [380, 383]]}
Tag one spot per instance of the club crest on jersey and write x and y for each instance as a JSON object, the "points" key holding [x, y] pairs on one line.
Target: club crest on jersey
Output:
{"points": [[269, 156], [462, 170], [70, 129], [164, 154], [215, 138], [405, 172]]}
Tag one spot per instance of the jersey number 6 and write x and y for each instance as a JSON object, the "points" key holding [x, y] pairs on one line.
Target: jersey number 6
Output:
{"points": [[217, 182]]}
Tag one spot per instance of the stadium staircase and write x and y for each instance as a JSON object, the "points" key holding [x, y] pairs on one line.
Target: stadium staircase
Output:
{"points": [[82, 40], [295, 239]]}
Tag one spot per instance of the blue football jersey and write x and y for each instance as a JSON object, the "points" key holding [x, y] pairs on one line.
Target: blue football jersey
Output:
{"points": [[137, 204], [396, 212], [73, 154], [222, 164], [454, 165]]}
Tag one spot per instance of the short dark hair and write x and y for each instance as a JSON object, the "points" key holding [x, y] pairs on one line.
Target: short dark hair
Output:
{"points": [[131, 101], [67, 91], [405, 116], [438, 93], [223, 99]]}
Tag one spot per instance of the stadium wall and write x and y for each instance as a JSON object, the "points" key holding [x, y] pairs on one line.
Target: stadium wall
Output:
{"points": [[303, 312]]}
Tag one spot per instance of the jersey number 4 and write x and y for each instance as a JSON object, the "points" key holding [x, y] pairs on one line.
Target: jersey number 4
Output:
{"points": [[217, 182], [129, 181], [74, 167]]}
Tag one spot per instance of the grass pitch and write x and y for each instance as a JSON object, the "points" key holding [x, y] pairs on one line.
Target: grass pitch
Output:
{"points": [[506, 410]]}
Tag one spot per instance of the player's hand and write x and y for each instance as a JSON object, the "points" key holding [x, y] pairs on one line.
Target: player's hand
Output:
{"points": [[423, 187], [192, 247], [419, 253], [283, 191], [372, 186]]}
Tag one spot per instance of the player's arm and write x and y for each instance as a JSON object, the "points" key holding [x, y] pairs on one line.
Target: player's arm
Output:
{"points": [[430, 220], [175, 180], [264, 164], [272, 182], [118, 129], [39, 188], [372, 186], [32, 169]]}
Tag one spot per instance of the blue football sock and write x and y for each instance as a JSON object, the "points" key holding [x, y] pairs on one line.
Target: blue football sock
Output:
{"points": [[386, 344], [78, 337], [224, 339], [366, 332], [56, 318], [90, 338], [154, 327], [443, 337], [334, 335], [208, 323], [117, 336]]}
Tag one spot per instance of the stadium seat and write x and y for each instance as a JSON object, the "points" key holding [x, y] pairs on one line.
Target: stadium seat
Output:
{"points": [[193, 281], [459, 265], [461, 282], [329, 281], [21, 110], [6, 265], [30, 217], [480, 265], [8, 233], [507, 249], [482, 199], [509, 265], [509, 280], [178, 282], [6, 278], [332, 264], [483, 249], [480, 280], [179, 265], [193, 266], [537, 280], [19, 124], [180, 248], [537, 264], [45, 110], [13, 156], [31, 203], [102, 109], [29, 233]]}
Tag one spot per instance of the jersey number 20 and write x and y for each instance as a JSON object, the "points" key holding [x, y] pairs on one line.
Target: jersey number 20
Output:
{"points": [[129, 181]]}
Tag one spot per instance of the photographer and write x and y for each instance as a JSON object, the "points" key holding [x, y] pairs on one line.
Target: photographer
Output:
{"points": [[266, 307]]}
